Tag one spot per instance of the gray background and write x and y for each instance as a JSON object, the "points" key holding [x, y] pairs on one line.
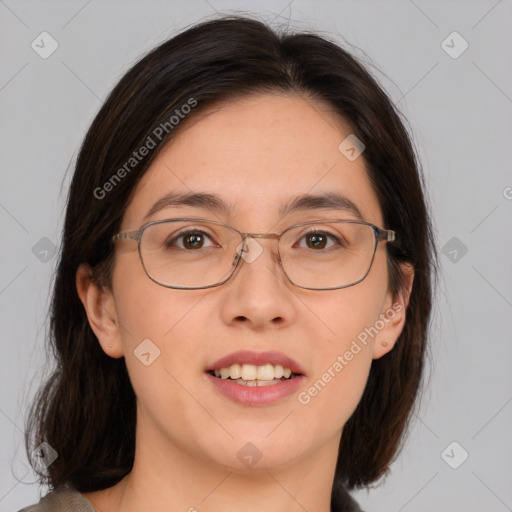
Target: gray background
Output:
{"points": [[460, 113]]}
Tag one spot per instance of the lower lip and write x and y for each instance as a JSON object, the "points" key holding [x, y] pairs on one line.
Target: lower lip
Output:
{"points": [[256, 395]]}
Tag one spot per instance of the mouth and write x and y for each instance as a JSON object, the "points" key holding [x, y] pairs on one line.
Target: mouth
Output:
{"points": [[251, 375], [256, 378]]}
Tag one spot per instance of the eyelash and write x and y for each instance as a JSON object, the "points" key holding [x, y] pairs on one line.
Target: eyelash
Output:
{"points": [[337, 240], [185, 233]]}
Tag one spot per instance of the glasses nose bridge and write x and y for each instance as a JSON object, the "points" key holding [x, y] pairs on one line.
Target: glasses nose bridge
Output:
{"points": [[261, 235], [275, 236]]}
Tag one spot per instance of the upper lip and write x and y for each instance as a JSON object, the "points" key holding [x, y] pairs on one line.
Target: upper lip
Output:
{"points": [[258, 359]]}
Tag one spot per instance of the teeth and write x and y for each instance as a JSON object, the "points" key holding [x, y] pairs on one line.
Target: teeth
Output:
{"points": [[235, 371], [249, 372], [265, 372], [258, 383], [278, 371], [252, 373]]}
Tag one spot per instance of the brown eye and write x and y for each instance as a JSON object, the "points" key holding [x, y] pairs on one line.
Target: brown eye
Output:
{"points": [[316, 241], [193, 241], [189, 240]]}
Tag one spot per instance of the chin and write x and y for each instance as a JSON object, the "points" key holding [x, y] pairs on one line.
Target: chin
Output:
{"points": [[248, 453]]}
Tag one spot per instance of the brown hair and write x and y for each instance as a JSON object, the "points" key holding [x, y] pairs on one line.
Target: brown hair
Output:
{"points": [[87, 409]]}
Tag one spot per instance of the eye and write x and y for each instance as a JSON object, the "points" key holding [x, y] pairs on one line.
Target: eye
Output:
{"points": [[191, 239], [319, 240]]}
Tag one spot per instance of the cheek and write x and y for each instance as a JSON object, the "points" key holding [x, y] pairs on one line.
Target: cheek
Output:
{"points": [[338, 382], [145, 309], [336, 387], [338, 317], [345, 350], [158, 336], [154, 323]]}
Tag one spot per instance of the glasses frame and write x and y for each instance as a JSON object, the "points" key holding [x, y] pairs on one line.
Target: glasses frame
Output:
{"points": [[381, 234]]}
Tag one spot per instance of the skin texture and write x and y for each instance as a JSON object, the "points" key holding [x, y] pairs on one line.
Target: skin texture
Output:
{"points": [[256, 153]]}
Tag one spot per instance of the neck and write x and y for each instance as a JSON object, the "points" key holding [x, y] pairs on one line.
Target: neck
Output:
{"points": [[175, 479]]}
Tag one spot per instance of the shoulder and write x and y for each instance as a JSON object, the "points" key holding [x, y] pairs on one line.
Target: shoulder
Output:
{"points": [[61, 499]]}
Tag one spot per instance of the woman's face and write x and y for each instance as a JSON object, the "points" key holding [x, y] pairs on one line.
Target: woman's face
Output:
{"points": [[256, 155]]}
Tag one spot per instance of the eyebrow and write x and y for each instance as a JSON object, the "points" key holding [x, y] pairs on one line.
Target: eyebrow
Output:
{"points": [[330, 200], [211, 202], [214, 203]]}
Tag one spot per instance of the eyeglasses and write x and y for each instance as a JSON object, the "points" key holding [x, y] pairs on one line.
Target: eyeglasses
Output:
{"points": [[191, 253]]}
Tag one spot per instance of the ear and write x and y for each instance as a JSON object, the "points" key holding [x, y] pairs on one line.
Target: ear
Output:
{"points": [[393, 314], [100, 308]]}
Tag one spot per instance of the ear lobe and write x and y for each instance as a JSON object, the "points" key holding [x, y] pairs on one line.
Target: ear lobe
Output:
{"points": [[99, 307], [393, 315]]}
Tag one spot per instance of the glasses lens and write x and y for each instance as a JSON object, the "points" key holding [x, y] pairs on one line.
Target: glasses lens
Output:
{"points": [[196, 254], [189, 254], [327, 254]]}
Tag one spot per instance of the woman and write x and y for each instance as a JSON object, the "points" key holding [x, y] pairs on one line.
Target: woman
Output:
{"points": [[241, 307]]}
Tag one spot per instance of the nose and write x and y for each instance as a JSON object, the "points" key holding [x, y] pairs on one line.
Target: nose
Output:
{"points": [[259, 292]]}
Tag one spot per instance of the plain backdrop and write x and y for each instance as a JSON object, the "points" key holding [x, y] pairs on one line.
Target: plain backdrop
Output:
{"points": [[458, 101]]}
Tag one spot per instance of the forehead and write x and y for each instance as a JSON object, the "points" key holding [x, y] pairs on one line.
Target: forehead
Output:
{"points": [[256, 153]]}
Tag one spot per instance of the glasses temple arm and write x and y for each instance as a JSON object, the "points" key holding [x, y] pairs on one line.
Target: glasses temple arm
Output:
{"points": [[133, 234]]}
